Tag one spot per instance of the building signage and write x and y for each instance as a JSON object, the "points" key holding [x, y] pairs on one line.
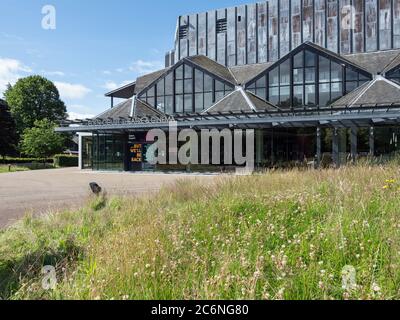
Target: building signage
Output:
{"points": [[136, 153], [134, 120]]}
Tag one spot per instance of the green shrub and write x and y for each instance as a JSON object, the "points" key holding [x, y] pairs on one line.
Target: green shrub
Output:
{"points": [[62, 160], [9, 160]]}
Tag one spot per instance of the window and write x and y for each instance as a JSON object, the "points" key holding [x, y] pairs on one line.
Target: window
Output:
{"points": [[185, 90], [307, 78], [394, 75]]}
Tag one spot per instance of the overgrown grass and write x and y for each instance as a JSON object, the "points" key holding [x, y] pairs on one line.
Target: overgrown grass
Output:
{"points": [[280, 235], [6, 169]]}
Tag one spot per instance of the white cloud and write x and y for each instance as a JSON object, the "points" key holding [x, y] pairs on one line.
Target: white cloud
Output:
{"points": [[10, 71], [143, 67], [111, 85], [79, 116], [72, 91]]}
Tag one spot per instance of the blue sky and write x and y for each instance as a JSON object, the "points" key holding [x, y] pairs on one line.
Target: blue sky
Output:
{"points": [[97, 44]]}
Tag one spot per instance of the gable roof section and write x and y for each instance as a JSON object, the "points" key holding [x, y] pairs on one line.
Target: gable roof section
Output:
{"points": [[122, 110], [240, 100], [394, 64], [212, 67], [142, 109], [316, 49], [124, 92], [144, 81], [247, 72], [380, 91], [375, 62]]}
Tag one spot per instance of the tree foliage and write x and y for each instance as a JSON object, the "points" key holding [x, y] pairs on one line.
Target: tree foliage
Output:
{"points": [[42, 141], [7, 131], [34, 98]]}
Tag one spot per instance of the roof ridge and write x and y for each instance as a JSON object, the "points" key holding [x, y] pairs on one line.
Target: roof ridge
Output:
{"points": [[384, 69]]}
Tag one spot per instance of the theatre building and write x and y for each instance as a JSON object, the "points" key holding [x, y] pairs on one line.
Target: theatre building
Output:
{"points": [[318, 81]]}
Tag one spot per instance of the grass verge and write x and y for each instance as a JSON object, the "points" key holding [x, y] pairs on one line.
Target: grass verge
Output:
{"points": [[279, 235]]}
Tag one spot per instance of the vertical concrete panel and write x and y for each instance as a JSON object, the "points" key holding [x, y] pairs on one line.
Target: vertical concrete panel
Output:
{"points": [[193, 35], [332, 27], [296, 23], [308, 20], [211, 35], [221, 40], [231, 36], [396, 23], [262, 32], [184, 42], [371, 15], [251, 34], [202, 39], [358, 31], [385, 24], [241, 35], [346, 24], [320, 17], [284, 27], [273, 41]]}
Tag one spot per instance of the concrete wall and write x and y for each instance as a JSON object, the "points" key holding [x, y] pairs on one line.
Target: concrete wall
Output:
{"points": [[268, 30]]}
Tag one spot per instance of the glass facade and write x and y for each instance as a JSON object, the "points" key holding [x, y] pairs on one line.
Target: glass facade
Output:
{"points": [[307, 78], [185, 90], [394, 75], [109, 152]]}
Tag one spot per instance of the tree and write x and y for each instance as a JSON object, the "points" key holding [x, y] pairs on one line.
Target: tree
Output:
{"points": [[34, 98], [7, 131], [42, 141]]}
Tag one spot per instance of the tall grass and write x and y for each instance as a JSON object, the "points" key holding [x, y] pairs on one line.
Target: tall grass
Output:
{"points": [[278, 235]]}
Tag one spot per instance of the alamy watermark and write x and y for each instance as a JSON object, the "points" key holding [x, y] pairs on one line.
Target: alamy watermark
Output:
{"points": [[201, 147], [49, 19]]}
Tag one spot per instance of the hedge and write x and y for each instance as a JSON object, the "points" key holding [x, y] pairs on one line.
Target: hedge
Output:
{"points": [[9, 160], [62, 160]]}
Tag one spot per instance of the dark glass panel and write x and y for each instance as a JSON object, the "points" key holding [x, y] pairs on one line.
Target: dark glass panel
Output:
{"points": [[261, 93], [219, 86], [324, 70], [285, 73], [199, 100], [298, 76], [351, 75], [310, 75], [179, 86], [179, 73], [169, 84], [169, 105], [274, 77], [208, 100], [324, 94], [310, 99], [310, 59], [188, 103], [199, 87], [208, 83], [151, 92], [336, 72], [298, 60], [179, 104], [261, 83], [189, 86], [160, 88], [298, 100], [188, 72]]}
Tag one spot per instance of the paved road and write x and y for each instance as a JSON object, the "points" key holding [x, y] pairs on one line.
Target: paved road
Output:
{"points": [[42, 191]]}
